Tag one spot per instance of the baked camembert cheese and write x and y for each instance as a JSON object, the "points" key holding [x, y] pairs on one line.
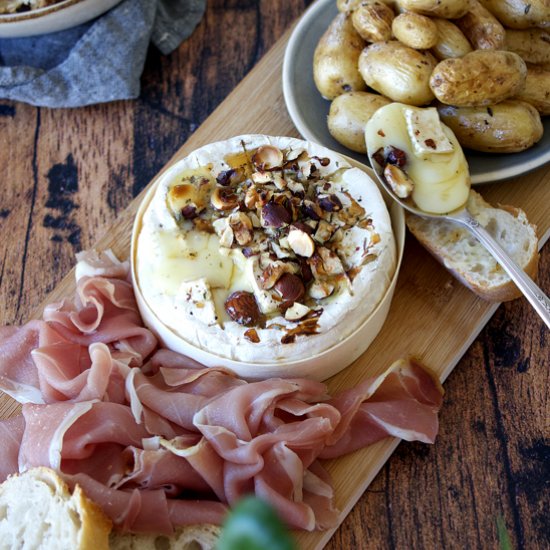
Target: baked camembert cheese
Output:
{"points": [[263, 249]]}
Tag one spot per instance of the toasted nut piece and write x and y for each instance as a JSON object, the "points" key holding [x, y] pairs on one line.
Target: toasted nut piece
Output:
{"points": [[372, 20], [274, 271], [324, 232], [279, 181], [331, 262], [223, 198], [400, 183], [330, 203], [251, 197], [311, 210], [293, 154], [242, 227], [301, 243], [275, 215], [319, 290], [267, 157], [260, 177], [290, 287], [242, 307], [296, 312], [230, 177]]}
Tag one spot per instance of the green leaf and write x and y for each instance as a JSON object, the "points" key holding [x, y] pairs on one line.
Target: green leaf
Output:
{"points": [[254, 525]]}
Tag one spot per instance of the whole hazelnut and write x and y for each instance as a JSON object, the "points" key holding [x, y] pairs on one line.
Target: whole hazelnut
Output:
{"points": [[242, 307], [290, 287]]}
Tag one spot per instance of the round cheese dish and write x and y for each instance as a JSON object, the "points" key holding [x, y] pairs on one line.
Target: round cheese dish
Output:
{"points": [[261, 251]]}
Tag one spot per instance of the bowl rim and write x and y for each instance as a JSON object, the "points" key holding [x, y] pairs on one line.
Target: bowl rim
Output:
{"points": [[397, 218], [38, 12]]}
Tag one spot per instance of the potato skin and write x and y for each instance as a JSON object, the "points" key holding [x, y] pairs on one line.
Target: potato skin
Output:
{"points": [[335, 59], [373, 21], [398, 72], [481, 28], [508, 127], [481, 77], [415, 30], [520, 14], [348, 115], [532, 45], [448, 9], [537, 89], [451, 40]]}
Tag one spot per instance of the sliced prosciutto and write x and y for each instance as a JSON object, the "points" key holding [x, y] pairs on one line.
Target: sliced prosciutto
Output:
{"points": [[159, 441]]}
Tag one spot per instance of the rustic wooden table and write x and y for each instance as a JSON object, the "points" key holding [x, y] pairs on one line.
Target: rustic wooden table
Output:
{"points": [[68, 174]]}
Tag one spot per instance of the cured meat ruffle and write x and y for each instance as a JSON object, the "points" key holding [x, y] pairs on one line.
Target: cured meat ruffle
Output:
{"points": [[159, 441]]}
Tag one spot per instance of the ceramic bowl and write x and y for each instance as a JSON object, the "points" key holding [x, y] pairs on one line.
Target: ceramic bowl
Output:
{"points": [[57, 17]]}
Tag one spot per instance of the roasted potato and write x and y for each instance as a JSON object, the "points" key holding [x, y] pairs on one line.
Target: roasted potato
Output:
{"points": [[520, 14], [415, 30], [348, 115], [451, 41], [398, 72], [348, 6], [508, 127], [481, 77], [537, 89], [532, 45], [448, 9], [335, 59], [373, 21], [481, 28]]}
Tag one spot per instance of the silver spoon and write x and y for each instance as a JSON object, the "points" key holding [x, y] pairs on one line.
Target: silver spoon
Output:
{"points": [[462, 216]]}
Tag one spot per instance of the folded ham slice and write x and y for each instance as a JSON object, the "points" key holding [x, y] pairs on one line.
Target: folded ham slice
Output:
{"points": [[159, 441]]}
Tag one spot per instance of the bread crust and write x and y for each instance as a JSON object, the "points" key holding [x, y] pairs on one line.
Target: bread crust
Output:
{"points": [[502, 292], [93, 526]]}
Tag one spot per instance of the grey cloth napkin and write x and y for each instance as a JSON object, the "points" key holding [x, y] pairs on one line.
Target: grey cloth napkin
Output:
{"points": [[98, 61]]}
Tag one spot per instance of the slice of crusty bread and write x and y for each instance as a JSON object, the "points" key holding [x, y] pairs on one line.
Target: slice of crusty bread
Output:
{"points": [[192, 537], [460, 252], [37, 511]]}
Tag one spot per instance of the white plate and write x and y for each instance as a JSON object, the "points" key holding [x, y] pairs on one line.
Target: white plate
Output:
{"points": [[57, 17], [308, 110]]}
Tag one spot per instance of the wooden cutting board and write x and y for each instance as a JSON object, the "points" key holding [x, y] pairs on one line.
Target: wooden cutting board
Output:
{"points": [[432, 316]]}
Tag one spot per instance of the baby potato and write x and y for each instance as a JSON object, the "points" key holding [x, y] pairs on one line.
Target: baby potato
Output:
{"points": [[481, 28], [481, 77], [335, 59], [537, 89], [398, 72], [448, 9], [373, 21], [451, 41], [348, 6], [520, 14], [348, 115], [415, 30], [508, 127], [532, 45]]}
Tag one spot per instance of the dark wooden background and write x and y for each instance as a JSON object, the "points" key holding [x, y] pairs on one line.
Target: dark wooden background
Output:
{"points": [[67, 174]]}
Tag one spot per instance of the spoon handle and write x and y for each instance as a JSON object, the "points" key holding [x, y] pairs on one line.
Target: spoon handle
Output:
{"points": [[530, 290]]}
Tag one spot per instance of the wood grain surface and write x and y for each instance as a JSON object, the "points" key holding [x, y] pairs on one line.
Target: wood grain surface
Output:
{"points": [[69, 175]]}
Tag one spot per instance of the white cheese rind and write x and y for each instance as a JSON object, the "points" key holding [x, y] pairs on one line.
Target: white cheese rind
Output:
{"points": [[342, 313]]}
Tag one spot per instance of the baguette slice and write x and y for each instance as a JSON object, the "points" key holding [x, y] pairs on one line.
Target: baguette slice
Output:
{"points": [[192, 537], [37, 511], [460, 252]]}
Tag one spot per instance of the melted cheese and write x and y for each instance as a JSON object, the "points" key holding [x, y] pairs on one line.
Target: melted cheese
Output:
{"points": [[441, 179]]}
